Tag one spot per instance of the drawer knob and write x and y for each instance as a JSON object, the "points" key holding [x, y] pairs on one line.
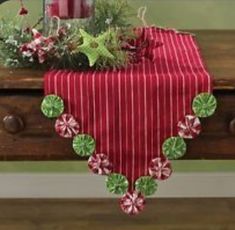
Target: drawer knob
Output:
{"points": [[13, 124], [232, 127]]}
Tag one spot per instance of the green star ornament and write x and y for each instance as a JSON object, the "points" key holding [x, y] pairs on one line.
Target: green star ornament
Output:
{"points": [[94, 47]]}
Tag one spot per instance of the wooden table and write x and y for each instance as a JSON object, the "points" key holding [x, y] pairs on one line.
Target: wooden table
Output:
{"points": [[25, 134]]}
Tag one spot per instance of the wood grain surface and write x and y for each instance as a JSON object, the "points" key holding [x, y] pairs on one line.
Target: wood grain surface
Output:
{"points": [[37, 140], [217, 48], [160, 214]]}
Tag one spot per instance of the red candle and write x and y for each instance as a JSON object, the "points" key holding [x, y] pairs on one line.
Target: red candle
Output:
{"points": [[69, 9]]}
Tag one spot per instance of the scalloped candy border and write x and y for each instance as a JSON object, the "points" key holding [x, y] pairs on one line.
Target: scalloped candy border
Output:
{"points": [[84, 145]]}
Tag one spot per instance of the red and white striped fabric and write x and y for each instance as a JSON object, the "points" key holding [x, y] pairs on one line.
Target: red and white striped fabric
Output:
{"points": [[130, 112], [67, 9]]}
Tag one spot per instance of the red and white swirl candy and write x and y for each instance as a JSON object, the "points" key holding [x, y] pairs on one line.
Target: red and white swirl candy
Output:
{"points": [[66, 126], [189, 127], [132, 203], [100, 164], [160, 169]]}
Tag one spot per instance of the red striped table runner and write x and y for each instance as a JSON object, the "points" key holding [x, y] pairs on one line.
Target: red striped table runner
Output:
{"points": [[131, 112]]}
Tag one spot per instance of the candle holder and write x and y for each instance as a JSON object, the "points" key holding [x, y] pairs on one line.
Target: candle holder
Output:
{"points": [[67, 11]]}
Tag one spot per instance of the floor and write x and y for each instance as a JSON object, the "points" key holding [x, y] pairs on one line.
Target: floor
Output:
{"points": [[161, 214]]}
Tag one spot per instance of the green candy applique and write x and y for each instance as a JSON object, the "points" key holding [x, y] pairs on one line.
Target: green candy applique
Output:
{"points": [[146, 185], [84, 145], [174, 148], [117, 183], [52, 106], [204, 105]]}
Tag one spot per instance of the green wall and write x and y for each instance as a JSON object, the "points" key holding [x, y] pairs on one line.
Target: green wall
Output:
{"points": [[190, 14], [182, 14]]}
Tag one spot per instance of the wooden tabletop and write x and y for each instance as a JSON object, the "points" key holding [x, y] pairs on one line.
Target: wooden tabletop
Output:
{"points": [[218, 51]]}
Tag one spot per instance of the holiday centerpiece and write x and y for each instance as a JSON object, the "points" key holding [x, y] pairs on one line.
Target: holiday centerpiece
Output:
{"points": [[60, 46], [128, 98]]}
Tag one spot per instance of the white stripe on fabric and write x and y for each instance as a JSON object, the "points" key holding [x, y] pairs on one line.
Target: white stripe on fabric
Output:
{"points": [[139, 118], [94, 106], [171, 85], [182, 74], [69, 91], [107, 111], [158, 100], [120, 120], [56, 82], [81, 100], [133, 127], [100, 105], [126, 115], [74, 96], [165, 95], [114, 124], [145, 122]]}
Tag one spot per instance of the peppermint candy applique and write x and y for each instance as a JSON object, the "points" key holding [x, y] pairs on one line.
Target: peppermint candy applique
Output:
{"points": [[189, 127], [132, 203], [66, 126], [160, 169], [100, 164]]}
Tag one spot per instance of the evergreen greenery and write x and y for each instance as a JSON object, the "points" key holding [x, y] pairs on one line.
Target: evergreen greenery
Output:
{"points": [[112, 16], [12, 36]]}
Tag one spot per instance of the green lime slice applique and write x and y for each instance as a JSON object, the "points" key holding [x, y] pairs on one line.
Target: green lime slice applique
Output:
{"points": [[146, 185], [84, 145], [117, 184], [174, 148], [52, 106], [204, 105]]}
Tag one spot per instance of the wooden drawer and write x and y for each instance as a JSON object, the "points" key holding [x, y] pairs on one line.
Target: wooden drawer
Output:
{"points": [[38, 141], [218, 137]]}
